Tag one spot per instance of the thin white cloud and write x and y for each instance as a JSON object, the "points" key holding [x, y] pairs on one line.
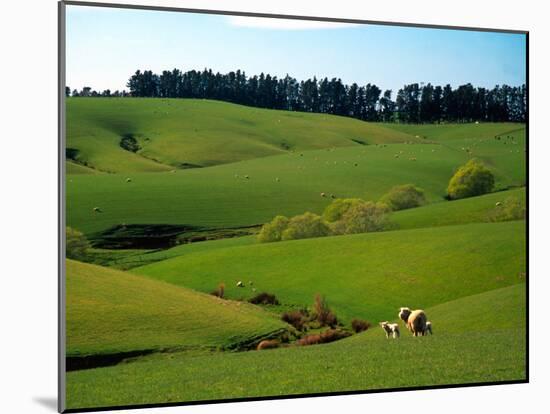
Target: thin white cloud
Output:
{"points": [[284, 24]]}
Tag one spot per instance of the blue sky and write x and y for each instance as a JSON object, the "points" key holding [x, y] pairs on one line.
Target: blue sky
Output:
{"points": [[105, 46]]}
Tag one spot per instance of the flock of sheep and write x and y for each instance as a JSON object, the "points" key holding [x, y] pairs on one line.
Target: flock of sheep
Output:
{"points": [[416, 322]]}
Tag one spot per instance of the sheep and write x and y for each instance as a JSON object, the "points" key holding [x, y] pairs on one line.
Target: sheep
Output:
{"points": [[428, 328], [323, 195], [498, 204], [390, 329], [240, 284], [97, 210], [247, 177], [415, 321], [267, 344], [128, 180]]}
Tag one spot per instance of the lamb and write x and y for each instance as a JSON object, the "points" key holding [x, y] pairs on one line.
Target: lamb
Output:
{"points": [[390, 329], [428, 328], [415, 321], [240, 284]]}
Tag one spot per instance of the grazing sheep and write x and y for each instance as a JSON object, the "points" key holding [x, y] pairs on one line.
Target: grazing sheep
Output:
{"points": [[247, 177], [391, 329], [498, 204], [428, 328], [415, 321], [323, 195], [128, 180], [240, 284], [97, 210], [267, 344]]}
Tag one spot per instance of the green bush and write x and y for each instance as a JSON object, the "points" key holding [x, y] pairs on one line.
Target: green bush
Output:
{"points": [[305, 226], [510, 209], [76, 244], [472, 179], [338, 208], [404, 196], [362, 218], [273, 230]]}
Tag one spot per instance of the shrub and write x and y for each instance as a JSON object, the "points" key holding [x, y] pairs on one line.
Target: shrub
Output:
{"points": [[510, 209], [404, 196], [264, 298], [359, 325], [76, 244], [220, 291], [330, 335], [273, 230], [295, 318], [362, 218], [470, 180], [305, 226], [323, 313], [335, 210]]}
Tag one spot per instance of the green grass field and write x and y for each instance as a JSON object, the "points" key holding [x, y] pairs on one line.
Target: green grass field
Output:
{"points": [[176, 132], [446, 257], [221, 196], [423, 267], [109, 312], [476, 339]]}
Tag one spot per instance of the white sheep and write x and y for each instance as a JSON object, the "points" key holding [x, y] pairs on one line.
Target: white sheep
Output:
{"points": [[415, 321], [240, 284], [391, 329]]}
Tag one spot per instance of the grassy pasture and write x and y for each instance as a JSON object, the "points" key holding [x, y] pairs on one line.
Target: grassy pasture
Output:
{"points": [[476, 339], [177, 132], [468, 210], [109, 311], [363, 275], [221, 196]]}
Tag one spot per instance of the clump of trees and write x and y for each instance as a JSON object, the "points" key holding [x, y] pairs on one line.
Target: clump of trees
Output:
{"points": [[510, 209], [414, 103], [404, 196], [362, 217], [76, 244], [472, 179], [305, 226], [342, 216], [273, 231]]}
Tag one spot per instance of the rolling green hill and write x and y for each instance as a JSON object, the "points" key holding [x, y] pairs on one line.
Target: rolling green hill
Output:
{"points": [[222, 196], [109, 311], [364, 275], [468, 210], [181, 133], [476, 339]]}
